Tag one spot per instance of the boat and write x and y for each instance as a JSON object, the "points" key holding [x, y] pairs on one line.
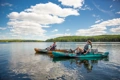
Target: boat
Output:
{"points": [[40, 50], [48, 51], [73, 55]]}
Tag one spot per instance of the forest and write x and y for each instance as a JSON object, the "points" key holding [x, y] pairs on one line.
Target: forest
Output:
{"points": [[100, 38], [20, 40]]}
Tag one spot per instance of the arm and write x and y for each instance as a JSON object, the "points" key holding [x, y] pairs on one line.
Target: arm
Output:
{"points": [[87, 51]]}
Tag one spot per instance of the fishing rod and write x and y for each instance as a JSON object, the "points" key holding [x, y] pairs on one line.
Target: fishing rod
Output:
{"points": [[98, 45], [96, 49]]}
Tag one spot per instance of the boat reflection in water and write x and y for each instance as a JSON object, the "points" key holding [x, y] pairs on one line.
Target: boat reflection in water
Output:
{"points": [[88, 63], [43, 54]]}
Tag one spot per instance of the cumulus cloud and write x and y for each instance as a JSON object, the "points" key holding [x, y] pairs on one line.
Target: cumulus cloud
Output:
{"points": [[52, 9], [2, 28], [55, 30], [118, 12], [59, 35], [65, 34], [116, 30], [72, 3], [6, 4], [33, 20], [99, 29]]}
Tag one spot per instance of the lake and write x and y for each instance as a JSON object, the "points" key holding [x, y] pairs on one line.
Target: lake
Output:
{"points": [[18, 61]]}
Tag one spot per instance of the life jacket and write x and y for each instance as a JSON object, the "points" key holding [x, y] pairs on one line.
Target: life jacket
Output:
{"points": [[53, 47]]}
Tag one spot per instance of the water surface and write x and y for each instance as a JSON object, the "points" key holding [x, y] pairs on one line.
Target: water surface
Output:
{"points": [[18, 61]]}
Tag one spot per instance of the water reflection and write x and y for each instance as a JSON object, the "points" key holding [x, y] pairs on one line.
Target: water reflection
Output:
{"points": [[44, 54], [87, 63], [18, 61]]}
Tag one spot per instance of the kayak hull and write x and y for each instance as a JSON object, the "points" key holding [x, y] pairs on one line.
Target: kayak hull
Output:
{"points": [[40, 50], [48, 51], [88, 55]]}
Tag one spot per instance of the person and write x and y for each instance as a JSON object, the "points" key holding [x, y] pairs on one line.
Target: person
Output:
{"points": [[52, 47], [87, 48]]}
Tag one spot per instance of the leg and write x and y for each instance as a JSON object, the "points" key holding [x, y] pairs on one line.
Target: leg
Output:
{"points": [[78, 49]]}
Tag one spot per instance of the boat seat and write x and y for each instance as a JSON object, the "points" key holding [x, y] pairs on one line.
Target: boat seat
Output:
{"points": [[94, 51]]}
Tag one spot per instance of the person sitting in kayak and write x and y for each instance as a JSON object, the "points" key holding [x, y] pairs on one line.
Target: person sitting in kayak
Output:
{"points": [[87, 48], [52, 47]]}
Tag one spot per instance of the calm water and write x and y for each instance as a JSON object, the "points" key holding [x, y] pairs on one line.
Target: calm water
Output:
{"points": [[18, 61]]}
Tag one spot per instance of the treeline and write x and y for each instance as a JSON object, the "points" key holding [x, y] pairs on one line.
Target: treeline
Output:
{"points": [[17, 40], [100, 38]]}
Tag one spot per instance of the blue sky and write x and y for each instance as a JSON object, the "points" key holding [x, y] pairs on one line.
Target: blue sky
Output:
{"points": [[44, 19]]}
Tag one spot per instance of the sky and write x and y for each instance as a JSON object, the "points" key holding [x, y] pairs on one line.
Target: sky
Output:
{"points": [[45, 19]]}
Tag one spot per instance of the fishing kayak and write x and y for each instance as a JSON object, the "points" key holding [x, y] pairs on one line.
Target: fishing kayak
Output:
{"points": [[48, 51], [88, 55]]}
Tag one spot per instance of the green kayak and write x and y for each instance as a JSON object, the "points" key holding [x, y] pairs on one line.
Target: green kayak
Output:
{"points": [[88, 55]]}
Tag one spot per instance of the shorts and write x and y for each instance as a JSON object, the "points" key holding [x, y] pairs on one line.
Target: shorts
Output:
{"points": [[84, 51], [79, 53]]}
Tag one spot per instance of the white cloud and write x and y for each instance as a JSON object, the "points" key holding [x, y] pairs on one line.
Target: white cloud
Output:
{"points": [[111, 6], [118, 12], [65, 34], [26, 28], [33, 20], [67, 29], [74, 3], [56, 35], [55, 30], [1, 28], [99, 29], [117, 29], [52, 9], [6, 4], [98, 20], [86, 8], [44, 19]]}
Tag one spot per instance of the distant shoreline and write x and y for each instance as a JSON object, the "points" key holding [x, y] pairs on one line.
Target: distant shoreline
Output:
{"points": [[100, 38], [16, 40]]}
